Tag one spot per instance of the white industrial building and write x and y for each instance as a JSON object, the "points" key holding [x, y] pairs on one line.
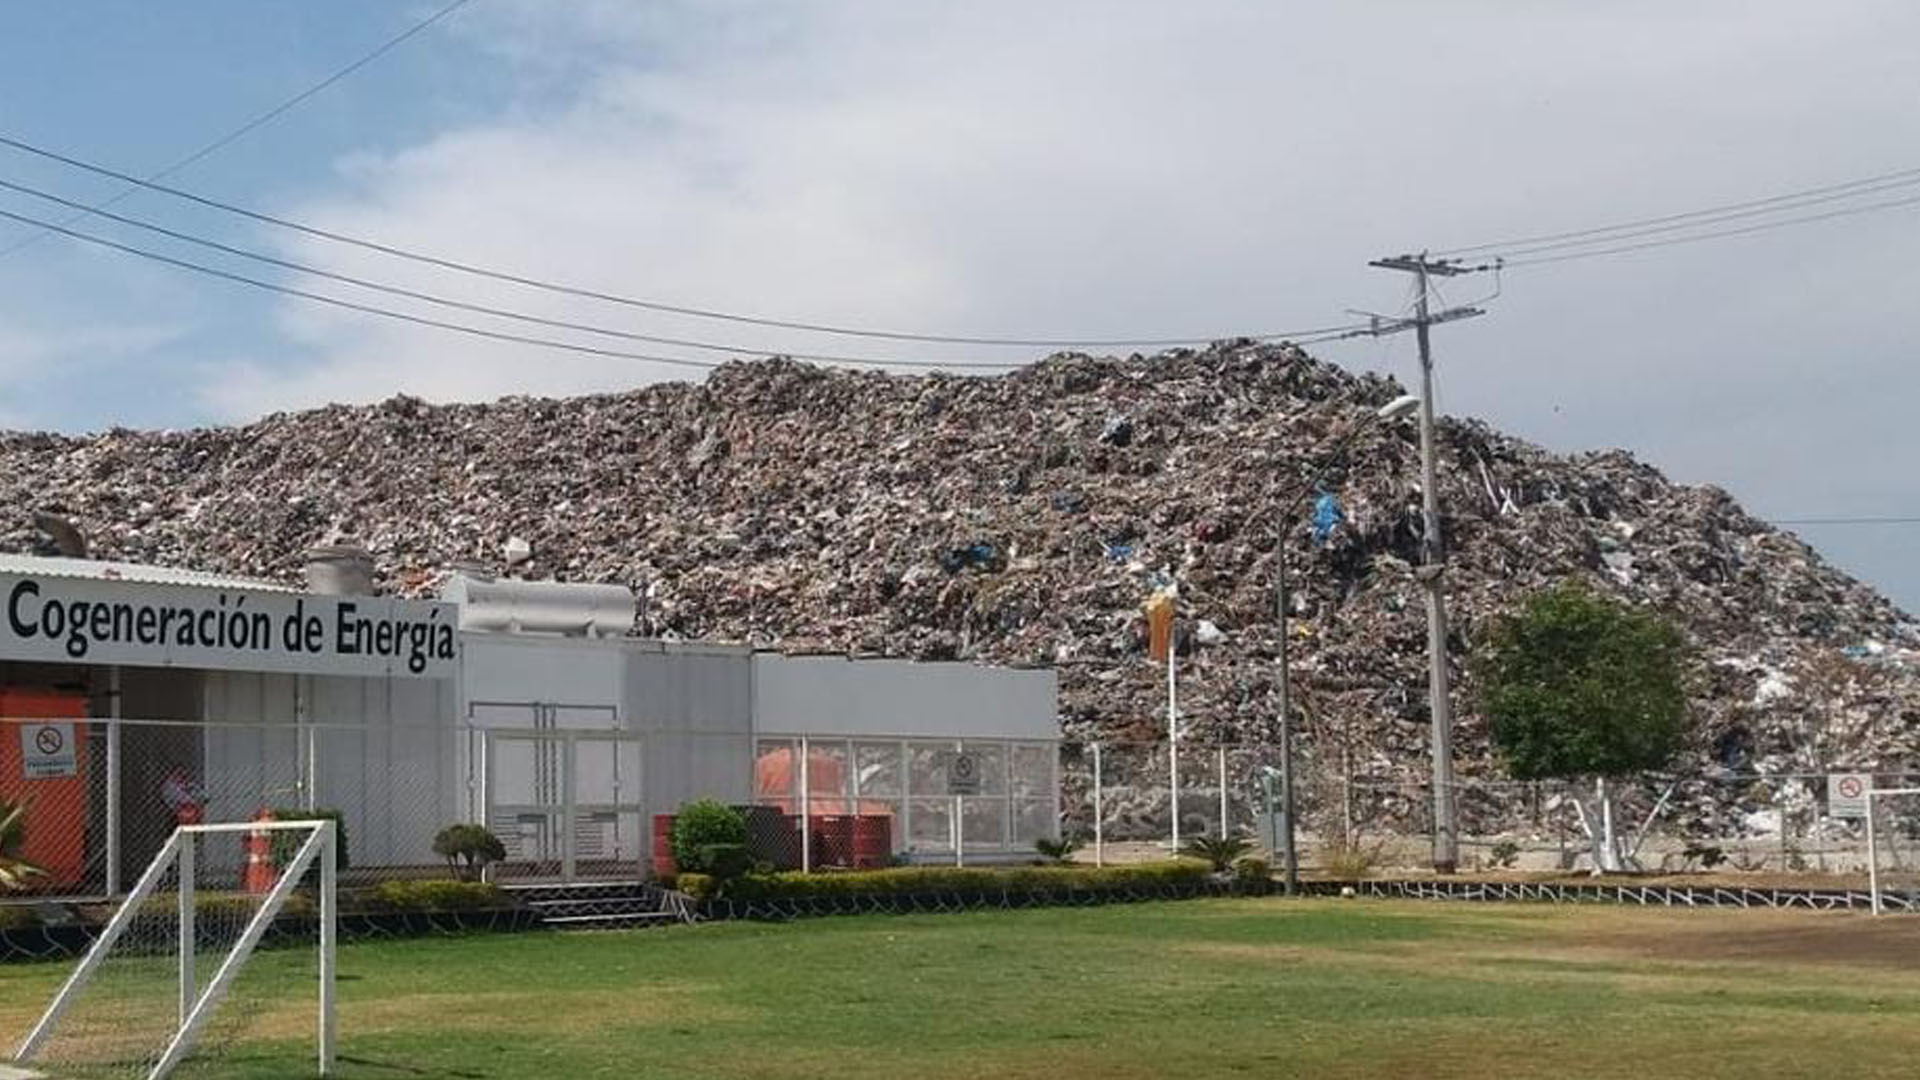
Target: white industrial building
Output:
{"points": [[519, 704]]}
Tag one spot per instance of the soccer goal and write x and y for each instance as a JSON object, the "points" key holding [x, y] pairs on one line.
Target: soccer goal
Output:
{"points": [[150, 989], [1893, 848]]}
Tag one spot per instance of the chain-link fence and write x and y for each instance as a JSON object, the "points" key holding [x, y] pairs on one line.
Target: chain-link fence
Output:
{"points": [[92, 800], [1117, 798]]}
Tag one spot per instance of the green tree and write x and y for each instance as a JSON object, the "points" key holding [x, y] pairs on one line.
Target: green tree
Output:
{"points": [[1574, 685]]}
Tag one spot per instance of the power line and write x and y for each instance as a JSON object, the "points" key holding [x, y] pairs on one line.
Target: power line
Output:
{"points": [[649, 305], [1717, 234], [255, 123], [1892, 179], [1715, 219], [1848, 521], [420, 320], [462, 305]]}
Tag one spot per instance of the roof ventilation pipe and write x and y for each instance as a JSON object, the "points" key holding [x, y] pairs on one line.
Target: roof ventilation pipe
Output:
{"points": [[340, 569]]}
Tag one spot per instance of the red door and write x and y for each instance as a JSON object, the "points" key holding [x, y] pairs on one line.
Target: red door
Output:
{"points": [[43, 765]]}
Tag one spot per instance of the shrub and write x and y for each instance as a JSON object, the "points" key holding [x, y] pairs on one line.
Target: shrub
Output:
{"points": [[286, 844], [703, 824], [1220, 852], [1253, 875], [1504, 855], [18, 917], [698, 886], [1058, 851], [229, 906], [726, 861], [14, 870], [436, 896], [468, 849], [1342, 858], [901, 881]]}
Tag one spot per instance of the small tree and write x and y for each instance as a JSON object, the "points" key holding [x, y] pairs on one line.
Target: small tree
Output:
{"points": [[468, 849], [1576, 686]]}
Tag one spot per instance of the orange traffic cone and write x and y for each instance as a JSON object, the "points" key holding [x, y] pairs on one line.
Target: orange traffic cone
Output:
{"points": [[259, 875]]}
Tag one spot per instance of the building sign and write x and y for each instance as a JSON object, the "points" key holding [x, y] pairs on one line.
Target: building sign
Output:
{"points": [[1847, 794], [46, 751], [84, 621], [963, 774]]}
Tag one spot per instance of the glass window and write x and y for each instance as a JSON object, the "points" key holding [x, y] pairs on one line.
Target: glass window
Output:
{"points": [[774, 774], [1032, 820], [876, 770], [827, 779], [1032, 770], [932, 825], [927, 767], [993, 766], [985, 821]]}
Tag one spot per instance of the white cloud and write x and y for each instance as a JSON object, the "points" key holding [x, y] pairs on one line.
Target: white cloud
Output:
{"points": [[1133, 168]]}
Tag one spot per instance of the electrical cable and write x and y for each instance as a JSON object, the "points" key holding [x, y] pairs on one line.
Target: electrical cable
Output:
{"points": [[1892, 179], [635, 302], [257, 121], [419, 320], [1715, 235], [1847, 521], [461, 305], [1700, 222]]}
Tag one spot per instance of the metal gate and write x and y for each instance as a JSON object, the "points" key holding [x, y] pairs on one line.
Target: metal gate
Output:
{"points": [[565, 804]]}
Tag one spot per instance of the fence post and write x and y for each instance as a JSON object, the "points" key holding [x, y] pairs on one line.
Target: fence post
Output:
{"points": [[1099, 813], [1222, 751], [806, 816], [1873, 860], [959, 815], [113, 781]]}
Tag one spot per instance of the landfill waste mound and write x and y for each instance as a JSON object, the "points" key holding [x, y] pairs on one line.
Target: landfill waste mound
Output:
{"points": [[1023, 519]]}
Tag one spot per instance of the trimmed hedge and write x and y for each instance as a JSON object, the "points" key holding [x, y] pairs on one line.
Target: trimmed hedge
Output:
{"points": [[228, 905], [912, 880], [436, 896], [18, 917]]}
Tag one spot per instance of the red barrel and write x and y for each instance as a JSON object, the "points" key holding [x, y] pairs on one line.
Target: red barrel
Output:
{"points": [[872, 840], [663, 865]]}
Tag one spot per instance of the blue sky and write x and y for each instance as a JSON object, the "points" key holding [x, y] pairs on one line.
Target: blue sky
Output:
{"points": [[1107, 168]]}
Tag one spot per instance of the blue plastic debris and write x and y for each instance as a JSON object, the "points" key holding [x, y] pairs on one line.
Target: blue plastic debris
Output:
{"points": [[1326, 514]]}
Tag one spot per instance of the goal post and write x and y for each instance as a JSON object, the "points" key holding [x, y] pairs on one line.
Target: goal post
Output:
{"points": [[183, 866], [1900, 827]]}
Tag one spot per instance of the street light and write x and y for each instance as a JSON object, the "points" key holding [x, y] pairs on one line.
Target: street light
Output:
{"points": [[1392, 410]]}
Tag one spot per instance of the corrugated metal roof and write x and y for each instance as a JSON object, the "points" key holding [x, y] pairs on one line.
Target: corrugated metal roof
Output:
{"points": [[137, 573]]}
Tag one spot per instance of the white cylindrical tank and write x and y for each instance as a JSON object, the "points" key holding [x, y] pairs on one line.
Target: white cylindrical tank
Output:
{"points": [[540, 607]]}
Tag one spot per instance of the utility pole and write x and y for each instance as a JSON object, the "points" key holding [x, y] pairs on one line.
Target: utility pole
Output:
{"points": [[1446, 839]]}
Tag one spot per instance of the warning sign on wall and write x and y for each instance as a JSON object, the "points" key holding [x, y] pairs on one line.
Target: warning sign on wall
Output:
{"points": [[46, 751]]}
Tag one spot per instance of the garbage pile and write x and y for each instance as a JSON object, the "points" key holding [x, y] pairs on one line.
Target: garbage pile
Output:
{"points": [[1024, 519]]}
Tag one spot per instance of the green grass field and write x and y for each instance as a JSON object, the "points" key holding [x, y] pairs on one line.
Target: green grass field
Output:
{"points": [[1195, 989]]}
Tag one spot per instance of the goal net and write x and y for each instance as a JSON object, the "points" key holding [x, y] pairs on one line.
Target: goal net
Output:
{"points": [[1893, 849], [174, 976]]}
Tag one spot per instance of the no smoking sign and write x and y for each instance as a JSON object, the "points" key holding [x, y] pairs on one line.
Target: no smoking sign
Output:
{"points": [[46, 751], [1847, 794]]}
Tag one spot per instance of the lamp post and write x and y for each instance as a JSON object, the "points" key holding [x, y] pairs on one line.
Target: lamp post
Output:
{"points": [[1392, 410]]}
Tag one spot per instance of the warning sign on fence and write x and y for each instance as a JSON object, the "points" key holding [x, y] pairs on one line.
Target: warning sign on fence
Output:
{"points": [[963, 774], [46, 751], [1847, 794]]}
